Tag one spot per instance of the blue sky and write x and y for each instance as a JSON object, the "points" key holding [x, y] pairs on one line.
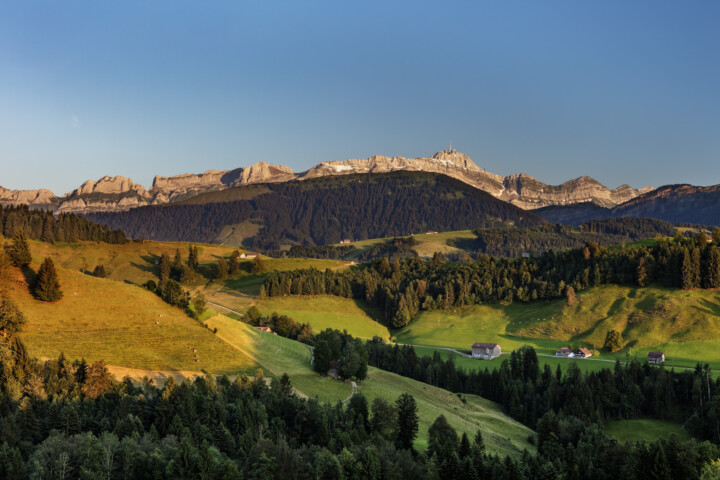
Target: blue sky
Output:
{"points": [[626, 92]]}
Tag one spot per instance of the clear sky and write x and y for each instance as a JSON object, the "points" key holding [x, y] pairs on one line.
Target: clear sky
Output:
{"points": [[623, 91]]}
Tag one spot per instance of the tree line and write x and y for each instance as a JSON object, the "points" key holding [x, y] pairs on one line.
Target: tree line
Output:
{"points": [[400, 290], [514, 242], [43, 225]]}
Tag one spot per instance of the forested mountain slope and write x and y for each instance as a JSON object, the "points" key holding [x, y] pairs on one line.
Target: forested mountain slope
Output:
{"points": [[323, 210], [673, 203]]}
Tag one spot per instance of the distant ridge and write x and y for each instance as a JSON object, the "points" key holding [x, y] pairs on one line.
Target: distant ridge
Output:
{"points": [[673, 203], [121, 193]]}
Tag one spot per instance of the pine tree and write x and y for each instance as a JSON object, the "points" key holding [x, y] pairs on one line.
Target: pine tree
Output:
{"points": [[19, 251], [234, 263], [687, 274], [222, 269], [164, 269], [177, 265], [713, 268], [407, 421], [641, 273], [193, 262], [257, 265], [47, 286]]}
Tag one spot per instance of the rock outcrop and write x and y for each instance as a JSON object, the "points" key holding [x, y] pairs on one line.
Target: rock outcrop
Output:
{"points": [[106, 194], [42, 198], [520, 190], [524, 191]]}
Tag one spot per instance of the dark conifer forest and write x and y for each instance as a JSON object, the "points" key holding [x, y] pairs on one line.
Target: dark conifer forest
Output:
{"points": [[42, 225], [401, 289], [326, 210]]}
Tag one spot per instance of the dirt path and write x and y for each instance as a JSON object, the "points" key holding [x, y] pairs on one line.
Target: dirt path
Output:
{"points": [[225, 308]]}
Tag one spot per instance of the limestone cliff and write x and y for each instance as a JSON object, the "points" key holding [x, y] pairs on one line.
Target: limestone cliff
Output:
{"points": [[34, 198], [524, 191]]}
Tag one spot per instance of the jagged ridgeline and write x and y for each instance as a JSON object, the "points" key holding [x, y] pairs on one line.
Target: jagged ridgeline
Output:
{"points": [[323, 211], [42, 225]]}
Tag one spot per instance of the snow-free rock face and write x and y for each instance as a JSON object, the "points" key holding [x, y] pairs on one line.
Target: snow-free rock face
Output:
{"points": [[521, 190], [34, 198], [524, 191], [168, 189], [108, 193]]}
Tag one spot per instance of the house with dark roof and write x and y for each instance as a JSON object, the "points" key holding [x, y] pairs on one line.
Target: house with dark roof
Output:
{"points": [[564, 352], [486, 351], [583, 353], [656, 357]]}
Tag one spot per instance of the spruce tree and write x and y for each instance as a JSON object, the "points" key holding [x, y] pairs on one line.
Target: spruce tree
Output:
{"points": [[19, 251], [177, 265], [257, 265], [687, 276], [222, 269], [193, 262], [407, 421], [234, 262], [165, 269], [713, 268], [47, 286]]}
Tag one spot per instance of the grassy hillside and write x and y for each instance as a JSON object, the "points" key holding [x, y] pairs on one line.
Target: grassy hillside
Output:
{"points": [[135, 261], [686, 325], [321, 312], [122, 324], [427, 245], [278, 355]]}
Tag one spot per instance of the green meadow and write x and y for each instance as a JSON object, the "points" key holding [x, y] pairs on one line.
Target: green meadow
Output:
{"points": [[277, 355]]}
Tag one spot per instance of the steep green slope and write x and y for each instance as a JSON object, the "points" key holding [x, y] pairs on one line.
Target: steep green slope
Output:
{"points": [[278, 355]]}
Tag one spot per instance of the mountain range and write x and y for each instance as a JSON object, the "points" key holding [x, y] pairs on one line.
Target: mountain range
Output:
{"points": [[120, 193]]}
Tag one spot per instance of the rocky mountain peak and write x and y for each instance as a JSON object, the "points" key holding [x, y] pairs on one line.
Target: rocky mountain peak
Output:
{"points": [[109, 185], [522, 190]]}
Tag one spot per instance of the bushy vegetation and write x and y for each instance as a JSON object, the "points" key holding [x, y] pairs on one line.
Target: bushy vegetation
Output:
{"points": [[42, 225], [324, 211]]}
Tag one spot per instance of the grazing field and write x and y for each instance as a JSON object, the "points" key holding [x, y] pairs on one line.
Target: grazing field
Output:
{"points": [[278, 355], [321, 312], [644, 430], [135, 261], [427, 245], [122, 324], [686, 325]]}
